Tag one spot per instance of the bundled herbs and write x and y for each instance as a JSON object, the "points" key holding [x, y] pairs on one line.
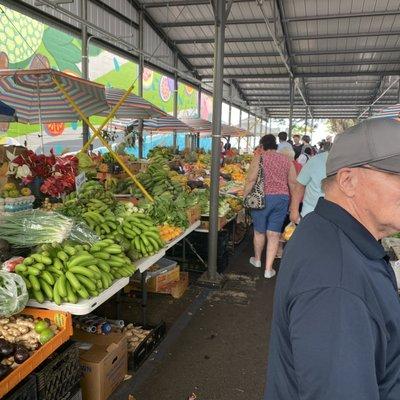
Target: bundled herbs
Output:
{"points": [[35, 227]]}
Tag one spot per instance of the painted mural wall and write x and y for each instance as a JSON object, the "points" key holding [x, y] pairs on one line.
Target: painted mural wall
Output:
{"points": [[27, 43]]}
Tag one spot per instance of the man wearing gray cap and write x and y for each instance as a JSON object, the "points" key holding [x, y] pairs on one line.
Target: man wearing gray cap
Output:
{"points": [[336, 325]]}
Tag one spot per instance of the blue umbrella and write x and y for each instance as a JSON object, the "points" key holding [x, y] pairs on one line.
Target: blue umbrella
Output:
{"points": [[7, 113]]}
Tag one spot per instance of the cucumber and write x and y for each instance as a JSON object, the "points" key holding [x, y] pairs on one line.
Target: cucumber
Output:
{"points": [[39, 266], [103, 265], [28, 261], [70, 250]]}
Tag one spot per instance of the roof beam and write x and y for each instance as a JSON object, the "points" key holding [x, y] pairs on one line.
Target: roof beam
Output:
{"points": [[163, 36], [210, 22], [115, 13], [179, 3], [343, 16], [299, 53], [304, 65], [298, 37], [312, 74]]}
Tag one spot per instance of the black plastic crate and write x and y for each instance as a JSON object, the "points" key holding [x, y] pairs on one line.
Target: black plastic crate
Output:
{"points": [[26, 390], [74, 394], [60, 373], [142, 352]]}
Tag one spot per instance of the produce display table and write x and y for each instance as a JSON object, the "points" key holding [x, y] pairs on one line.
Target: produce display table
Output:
{"points": [[187, 232], [83, 307]]}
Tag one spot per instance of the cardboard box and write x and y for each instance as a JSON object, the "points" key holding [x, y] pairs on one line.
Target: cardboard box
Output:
{"points": [[177, 289], [205, 224], [156, 283], [104, 360], [193, 214], [16, 150]]}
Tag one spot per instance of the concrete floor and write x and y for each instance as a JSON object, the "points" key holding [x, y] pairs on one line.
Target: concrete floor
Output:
{"points": [[217, 341]]}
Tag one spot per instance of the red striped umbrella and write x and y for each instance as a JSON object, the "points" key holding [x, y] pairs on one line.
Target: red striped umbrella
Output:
{"points": [[37, 99], [392, 111], [134, 107]]}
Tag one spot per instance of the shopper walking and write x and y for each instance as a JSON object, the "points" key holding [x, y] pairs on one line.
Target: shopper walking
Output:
{"points": [[279, 180], [297, 146], [336, 326], [283, 143], [289, 153], [308, 187], [305, 156]]}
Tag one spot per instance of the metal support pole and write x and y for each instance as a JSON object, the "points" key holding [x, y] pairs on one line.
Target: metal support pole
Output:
{"points": [[211, 277], [198, 140], [306, 121], [85, 61], [199, 102], [240, 125], [175, 98], [398, 93], [141, 68], [248, 130], [230, 105], [291, 99]]}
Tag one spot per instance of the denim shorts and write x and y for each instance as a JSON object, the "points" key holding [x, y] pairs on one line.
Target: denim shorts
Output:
{"points": [[272, 217]]}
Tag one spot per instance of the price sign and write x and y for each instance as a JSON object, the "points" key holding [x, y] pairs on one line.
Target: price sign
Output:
{"points": [[79, 181]]}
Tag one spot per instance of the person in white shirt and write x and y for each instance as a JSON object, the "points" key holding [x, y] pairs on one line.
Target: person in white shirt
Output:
{"points": [[305, 156], [282, 136]]}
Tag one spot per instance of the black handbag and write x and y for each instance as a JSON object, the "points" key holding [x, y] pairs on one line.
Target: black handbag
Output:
{"points": [[256, 198]]}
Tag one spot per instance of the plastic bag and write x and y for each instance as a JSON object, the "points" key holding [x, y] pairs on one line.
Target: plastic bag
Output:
{"points": [[288, 232], [13, 294], [10, 264]]}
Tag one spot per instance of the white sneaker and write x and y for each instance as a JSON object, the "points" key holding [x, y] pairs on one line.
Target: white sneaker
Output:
{"points": [[269, 274], [255, 263]]}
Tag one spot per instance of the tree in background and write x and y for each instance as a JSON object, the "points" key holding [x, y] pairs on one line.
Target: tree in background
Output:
{"points": [[336, 126]]}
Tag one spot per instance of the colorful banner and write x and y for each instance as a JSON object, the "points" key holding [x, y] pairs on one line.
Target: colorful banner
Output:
{"points": [[206, 109]]}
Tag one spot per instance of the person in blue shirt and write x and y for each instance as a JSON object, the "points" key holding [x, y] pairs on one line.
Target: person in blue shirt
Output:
{"points": [[336, 323], [308, 186]]}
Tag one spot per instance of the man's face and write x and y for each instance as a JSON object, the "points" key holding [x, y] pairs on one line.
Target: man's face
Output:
{"points": [[296, 140], [377, 194]]}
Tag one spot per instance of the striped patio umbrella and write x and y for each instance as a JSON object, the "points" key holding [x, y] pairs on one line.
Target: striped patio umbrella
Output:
{"points": [[204, 127], [37, 99], [162, 124], [7, 113], [198, 125], [134, 107]]}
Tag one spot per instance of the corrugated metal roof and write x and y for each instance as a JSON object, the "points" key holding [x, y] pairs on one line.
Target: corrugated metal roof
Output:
{"points": [[341, 52]]}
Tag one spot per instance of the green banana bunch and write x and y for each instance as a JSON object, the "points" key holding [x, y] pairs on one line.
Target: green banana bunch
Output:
{"points": [[69, 272]]}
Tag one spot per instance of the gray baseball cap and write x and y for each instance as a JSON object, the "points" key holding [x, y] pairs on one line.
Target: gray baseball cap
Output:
{"points": [[375, 142]]}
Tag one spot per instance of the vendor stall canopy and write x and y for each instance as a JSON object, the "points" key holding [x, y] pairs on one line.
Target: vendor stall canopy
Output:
{"points": [[343, 56]]}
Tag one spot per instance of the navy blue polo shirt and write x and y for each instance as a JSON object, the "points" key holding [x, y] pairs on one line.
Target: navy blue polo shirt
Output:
{"points": [[336, 324]]}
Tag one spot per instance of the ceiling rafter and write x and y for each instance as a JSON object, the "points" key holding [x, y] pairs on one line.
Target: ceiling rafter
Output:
{"points": [[298, 53], [304, 65], [293, 38], [311, 74]]}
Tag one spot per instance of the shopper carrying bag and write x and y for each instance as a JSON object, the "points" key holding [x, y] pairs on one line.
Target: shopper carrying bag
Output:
{"points": [[270, 179]]}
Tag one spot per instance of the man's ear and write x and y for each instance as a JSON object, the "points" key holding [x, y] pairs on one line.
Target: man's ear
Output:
{"points": [[347, 180]]}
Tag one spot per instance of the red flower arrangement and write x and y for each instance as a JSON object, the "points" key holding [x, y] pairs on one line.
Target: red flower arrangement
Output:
{"points": [[58, 173]]}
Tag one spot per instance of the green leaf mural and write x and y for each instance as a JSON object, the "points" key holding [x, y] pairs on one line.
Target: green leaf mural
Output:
{"points": [[63, 49]]}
